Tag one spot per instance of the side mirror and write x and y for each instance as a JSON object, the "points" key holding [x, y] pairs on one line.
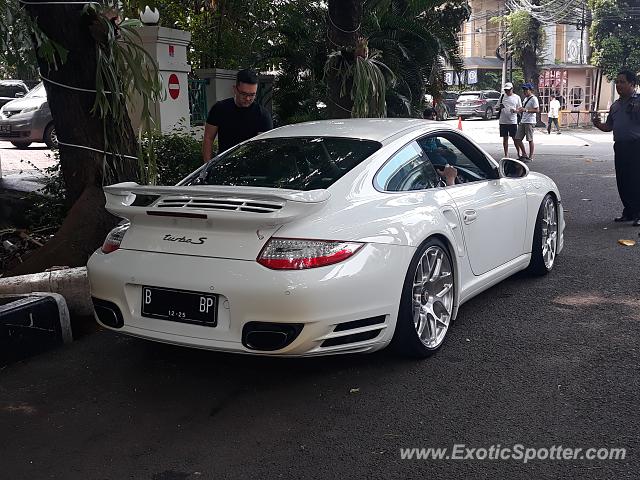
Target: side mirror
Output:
{"points": [[19, 95], [512, 168]]}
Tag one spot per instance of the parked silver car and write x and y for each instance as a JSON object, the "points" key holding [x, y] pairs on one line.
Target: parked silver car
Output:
{"points": [[12, 89], [27, 120], [480, 103]]}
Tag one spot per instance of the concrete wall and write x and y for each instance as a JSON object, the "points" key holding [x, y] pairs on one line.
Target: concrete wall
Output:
{"points": [[220, 86], [168, 47]]}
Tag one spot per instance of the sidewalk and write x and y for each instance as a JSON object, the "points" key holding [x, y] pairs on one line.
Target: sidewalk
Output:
{"points": [[20, 169]]}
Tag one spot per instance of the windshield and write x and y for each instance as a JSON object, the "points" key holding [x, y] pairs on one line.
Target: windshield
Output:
{"points": [[298, 163], [37, 91], [469, 96]]}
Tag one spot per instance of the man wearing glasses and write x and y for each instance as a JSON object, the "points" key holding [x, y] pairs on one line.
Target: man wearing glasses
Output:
{"points": [[236, 119]]}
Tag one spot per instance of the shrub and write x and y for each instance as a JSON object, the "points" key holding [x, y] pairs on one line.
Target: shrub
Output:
{"points": [[176, 155], [47, 206]]}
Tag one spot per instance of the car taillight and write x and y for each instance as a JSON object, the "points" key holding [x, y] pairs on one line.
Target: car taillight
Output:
{"points": [[299, 254], [113, 240]]}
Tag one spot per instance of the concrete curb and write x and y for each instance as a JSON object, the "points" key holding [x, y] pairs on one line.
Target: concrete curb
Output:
{"points": [[71, 283]]}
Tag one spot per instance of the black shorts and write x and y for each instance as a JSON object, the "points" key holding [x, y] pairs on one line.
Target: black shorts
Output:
{"points": [[508, 130]]}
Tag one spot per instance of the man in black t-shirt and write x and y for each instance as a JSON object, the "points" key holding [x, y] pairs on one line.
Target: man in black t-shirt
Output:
{"points": [[236, 119]]}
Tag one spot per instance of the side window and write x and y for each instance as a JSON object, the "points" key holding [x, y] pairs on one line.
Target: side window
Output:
{"points": [[452, 149], [407, 170]]}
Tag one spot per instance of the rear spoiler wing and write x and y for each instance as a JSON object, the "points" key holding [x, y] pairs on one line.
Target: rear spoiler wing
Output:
{"points": [[289, 204]]}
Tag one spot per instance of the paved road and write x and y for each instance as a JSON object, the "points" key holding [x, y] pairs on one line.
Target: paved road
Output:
{"points": [[537, 362]]}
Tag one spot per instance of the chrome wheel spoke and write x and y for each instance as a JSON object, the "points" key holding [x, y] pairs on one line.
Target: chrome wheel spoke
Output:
{"points": [[446, 289], [436, 267], [422, 323]]}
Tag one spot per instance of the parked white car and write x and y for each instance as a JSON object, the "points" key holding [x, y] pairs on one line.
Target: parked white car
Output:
{"points": [[321, 238]]}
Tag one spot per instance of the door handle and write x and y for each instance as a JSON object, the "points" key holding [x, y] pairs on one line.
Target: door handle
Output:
{"points": [[469, 216]]}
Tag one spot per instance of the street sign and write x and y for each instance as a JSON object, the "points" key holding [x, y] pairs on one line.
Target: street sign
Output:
{"points": [[174, 86]]}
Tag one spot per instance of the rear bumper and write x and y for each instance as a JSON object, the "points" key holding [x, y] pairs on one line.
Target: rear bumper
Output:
{"points": [[366, 286], [479, 110]]}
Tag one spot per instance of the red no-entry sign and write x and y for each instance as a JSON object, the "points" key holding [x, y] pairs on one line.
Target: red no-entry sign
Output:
{"points": [[174, 86]]}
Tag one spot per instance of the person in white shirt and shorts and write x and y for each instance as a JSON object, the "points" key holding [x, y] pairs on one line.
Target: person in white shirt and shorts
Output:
{"points": [[530, 106], [508, 119]]}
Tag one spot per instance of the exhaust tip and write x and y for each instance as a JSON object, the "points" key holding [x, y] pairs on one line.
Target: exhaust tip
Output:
{"points": [[108, 313], [266, 336]]}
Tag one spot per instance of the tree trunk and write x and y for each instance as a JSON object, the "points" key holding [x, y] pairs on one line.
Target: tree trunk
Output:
{"points": [[87, 223], [530, 67], [344, 20]]}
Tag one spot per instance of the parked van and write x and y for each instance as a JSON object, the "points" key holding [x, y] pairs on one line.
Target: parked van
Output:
{"points": [[28, 119]]}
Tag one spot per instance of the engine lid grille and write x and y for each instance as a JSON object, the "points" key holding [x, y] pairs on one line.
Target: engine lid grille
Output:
{"points": [[227, 204]]}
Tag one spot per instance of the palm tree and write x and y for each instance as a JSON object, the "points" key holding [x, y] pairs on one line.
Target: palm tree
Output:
{"points": [[380, 56], [344, 22], [416, 39]]}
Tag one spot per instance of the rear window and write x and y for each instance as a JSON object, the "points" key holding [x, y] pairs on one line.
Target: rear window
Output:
{"points": [[298, 163], [469, 96], [8, 90]]}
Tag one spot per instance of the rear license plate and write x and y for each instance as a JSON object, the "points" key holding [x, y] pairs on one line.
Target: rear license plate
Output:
{"points": [[179, 306], [5, 128]]}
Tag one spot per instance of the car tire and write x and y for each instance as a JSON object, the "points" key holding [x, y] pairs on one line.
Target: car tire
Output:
{"points": [[50, 137], [488, 113], [21, 145], [544, 247], [426, 305]]}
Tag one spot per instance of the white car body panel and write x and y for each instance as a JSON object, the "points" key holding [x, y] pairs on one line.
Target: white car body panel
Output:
{"points": [[493, 221], [216, 252]]}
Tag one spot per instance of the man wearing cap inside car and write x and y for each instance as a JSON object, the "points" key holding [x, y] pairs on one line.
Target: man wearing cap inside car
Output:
{"points": [[530, 107], [508, 106]]}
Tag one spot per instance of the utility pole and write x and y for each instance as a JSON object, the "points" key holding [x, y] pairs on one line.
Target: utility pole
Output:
{"points": [[506, 52]]}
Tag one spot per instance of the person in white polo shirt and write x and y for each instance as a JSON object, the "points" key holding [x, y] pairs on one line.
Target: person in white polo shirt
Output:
{"points": [[530, 106], [508, 119]]}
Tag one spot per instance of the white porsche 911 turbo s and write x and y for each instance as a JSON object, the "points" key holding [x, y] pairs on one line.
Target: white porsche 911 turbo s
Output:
{"points": [[322, 238]]}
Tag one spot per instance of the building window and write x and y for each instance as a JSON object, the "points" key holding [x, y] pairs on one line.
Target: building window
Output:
{"points": [[575, 97]]}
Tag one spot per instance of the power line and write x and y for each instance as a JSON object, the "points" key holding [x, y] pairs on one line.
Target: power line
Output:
{"points": [[549, 12]]}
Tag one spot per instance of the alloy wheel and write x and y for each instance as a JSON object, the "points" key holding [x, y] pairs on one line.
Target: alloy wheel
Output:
{"points": [[549, 232], [433, 296]]}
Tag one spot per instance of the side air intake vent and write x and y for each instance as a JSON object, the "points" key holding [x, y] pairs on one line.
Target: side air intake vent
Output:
{"points": [[365, 322], [356, 337]]}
